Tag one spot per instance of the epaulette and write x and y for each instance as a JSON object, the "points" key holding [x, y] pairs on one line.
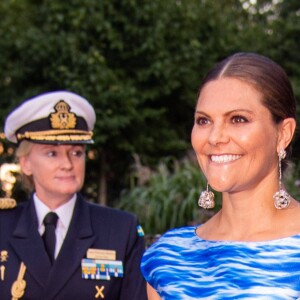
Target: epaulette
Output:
{"points": [[7, 203]]}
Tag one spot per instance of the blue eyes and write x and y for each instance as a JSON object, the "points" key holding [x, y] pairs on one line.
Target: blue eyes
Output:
{"points": [[77, 153], [72, 153], [51, 154]]}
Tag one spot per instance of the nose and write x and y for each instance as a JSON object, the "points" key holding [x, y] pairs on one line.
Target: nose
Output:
{"points": [[66, 161], [218, 134]]}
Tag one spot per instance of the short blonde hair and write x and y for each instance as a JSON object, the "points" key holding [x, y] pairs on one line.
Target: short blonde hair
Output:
{"points": [[24, 149]]}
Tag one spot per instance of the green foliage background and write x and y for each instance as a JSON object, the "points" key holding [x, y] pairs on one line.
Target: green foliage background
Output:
{"points": [[139, 63], [170, 197]]}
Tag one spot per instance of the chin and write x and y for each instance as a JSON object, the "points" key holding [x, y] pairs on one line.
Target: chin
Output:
{"points": [[219, 188], [68, 191]]}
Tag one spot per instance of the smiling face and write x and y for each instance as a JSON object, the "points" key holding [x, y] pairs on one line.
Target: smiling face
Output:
{"points": [[234, 136], [57, 170]]}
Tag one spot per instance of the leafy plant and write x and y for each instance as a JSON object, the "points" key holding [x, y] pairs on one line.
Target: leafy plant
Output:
{"points": [[292, 181], [170, 197]]}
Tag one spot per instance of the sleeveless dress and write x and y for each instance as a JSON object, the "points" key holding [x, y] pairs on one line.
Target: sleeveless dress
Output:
{"points": [[180, 265]]}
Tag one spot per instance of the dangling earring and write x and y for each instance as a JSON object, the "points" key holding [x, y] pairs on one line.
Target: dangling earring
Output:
{"points": [[281, 198], [206, 199]]}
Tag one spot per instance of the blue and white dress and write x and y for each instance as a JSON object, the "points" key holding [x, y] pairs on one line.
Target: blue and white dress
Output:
{"points": [[180, 265]]}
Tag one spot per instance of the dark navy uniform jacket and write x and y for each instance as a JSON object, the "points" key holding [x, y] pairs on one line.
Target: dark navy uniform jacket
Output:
{"points": [[92, 226]]}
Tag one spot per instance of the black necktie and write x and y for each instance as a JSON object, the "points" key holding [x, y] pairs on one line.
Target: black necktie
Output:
{"points": [[49, 237]]}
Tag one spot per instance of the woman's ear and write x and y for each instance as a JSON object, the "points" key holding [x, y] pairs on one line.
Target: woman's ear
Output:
{"points": [[286, 132], [25, 165]]}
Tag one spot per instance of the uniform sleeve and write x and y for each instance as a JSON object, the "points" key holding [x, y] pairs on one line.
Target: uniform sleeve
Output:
{"points": [[134, 285]]}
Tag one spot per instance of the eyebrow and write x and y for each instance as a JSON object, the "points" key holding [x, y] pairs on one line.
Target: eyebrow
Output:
{"points": [[234, 111], [45, 146]]}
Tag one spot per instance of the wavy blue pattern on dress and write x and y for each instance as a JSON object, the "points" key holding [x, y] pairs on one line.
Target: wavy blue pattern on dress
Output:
{"points": [[180, 265]]}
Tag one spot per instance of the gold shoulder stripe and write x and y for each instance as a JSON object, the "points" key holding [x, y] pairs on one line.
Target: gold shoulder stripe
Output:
{"points": [[7, 203]]}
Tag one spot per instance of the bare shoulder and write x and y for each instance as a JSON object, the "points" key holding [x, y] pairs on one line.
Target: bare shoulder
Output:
{"points": [[208, 229]]}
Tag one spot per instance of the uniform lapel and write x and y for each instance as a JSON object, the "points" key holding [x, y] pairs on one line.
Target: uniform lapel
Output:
{"points": [[79, 238], [28, 244]]}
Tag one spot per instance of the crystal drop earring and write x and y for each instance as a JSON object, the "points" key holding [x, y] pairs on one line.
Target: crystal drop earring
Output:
{"points": [[206, 199], [281, 198]]}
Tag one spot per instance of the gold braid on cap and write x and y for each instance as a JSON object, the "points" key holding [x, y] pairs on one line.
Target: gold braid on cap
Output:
{"points": [[57, 135], [63, 127]]}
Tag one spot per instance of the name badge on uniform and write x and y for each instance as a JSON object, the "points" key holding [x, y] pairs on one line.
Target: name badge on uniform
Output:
{"points": [[101, 254], [101, 265]]}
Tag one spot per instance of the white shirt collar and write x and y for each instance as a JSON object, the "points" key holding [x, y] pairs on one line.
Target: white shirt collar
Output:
{"points": [[64, 212]]}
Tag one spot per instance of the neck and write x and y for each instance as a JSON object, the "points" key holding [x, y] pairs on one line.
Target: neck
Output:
{"points": [[245, 216]]}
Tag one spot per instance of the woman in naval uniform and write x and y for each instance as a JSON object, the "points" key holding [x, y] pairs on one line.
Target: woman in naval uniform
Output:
{"points": [[57, 245]]}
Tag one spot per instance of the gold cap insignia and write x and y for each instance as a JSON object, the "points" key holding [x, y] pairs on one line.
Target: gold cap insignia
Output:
{"points": [[62, 118]]}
